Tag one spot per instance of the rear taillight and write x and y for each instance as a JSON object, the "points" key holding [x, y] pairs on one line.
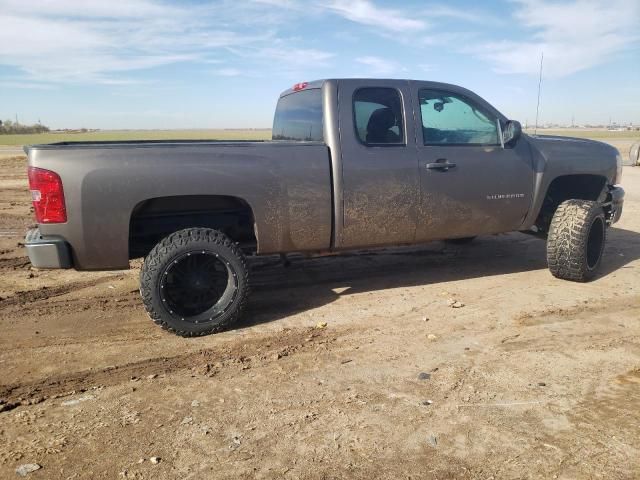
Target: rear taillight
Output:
{"points": [[47, 196]]}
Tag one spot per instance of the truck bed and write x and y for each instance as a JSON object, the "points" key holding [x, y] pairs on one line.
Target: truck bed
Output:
{"points": [[152, 143], [287, 186]]}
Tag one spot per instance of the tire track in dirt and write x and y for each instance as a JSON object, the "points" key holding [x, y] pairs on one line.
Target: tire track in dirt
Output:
{"points": [[597, 432], [584, 310], [610, 314], [101, 303], [44, 293], [242, 354], [15, 263], [119, 338]]}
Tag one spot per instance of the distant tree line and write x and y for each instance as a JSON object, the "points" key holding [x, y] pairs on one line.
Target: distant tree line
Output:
{"points": [[8, 127]]}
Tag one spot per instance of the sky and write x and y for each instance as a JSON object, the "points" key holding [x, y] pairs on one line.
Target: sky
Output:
{"points": [[154, 64]]}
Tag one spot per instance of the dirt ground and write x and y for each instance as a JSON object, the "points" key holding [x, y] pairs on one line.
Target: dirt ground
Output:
{"points": [[532, 378]]}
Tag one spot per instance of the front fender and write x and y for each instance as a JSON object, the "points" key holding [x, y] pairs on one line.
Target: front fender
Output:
{"points": [[555, 157]]}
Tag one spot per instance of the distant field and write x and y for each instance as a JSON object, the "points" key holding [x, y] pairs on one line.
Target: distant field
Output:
{"points": [[622, 140], [589, 133], [107, 135]]}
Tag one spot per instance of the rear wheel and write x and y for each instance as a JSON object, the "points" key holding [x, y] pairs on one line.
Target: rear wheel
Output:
{"points": [[576, 240], [194, 282]]}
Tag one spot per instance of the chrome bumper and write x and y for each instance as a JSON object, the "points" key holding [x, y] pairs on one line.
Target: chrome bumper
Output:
{"points": [[47, 252], [615, 201]]}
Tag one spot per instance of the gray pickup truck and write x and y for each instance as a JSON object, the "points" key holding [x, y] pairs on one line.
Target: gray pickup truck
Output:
{"points": [[353, 163]]}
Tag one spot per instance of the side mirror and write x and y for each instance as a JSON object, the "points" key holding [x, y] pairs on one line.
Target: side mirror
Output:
{"points": [[511, 133]]}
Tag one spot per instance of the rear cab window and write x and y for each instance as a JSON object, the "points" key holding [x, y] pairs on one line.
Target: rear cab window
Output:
{"points": [[299, 117]]}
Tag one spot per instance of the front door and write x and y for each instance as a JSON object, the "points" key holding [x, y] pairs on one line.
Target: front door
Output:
{"points": [[470, 184], [381, 185]]}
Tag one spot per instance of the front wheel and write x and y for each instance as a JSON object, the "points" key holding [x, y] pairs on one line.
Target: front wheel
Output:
{"points": [[576, 240], [194, 282]]}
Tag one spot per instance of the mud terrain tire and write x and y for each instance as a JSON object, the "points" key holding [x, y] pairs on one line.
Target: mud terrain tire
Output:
{"points": [[576, 240], [194, 282]]}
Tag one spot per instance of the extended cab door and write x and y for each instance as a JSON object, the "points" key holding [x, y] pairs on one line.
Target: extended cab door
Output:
{"points": [[469, 183], [380, 176]]}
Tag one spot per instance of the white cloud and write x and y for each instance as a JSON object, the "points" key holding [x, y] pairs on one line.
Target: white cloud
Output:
{"points": [[379, 66], [228, 72], [427, 67], [296, 56], [277, 3], [89, 8], [24, 85], [573, 36], [466, 15], [99, 42], [366, 13]]}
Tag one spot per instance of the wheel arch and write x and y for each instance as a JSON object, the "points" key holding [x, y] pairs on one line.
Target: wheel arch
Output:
{"points": [[154, 218], [566, 187]]}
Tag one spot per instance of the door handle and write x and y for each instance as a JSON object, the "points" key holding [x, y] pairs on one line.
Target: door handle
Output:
{"points": [[441, 164]]}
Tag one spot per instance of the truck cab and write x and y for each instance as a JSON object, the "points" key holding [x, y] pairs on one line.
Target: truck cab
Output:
{"points": [[423, 161]]}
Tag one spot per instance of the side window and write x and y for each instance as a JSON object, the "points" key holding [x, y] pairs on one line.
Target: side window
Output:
{"points": [[298, 117], [377, 116], [450, 119]]}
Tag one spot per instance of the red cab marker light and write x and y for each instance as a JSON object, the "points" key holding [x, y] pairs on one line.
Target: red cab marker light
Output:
{"points": [[300, 86], [47, 196]]}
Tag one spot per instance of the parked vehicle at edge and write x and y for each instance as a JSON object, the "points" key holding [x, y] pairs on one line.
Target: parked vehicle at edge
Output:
{"points": [[353, 163]]}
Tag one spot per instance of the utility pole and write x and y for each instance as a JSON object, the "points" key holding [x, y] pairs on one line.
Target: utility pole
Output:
{"points": [[535, 132]]}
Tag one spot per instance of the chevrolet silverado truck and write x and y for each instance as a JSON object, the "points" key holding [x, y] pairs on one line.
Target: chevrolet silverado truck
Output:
{"points": [[352, 164]]}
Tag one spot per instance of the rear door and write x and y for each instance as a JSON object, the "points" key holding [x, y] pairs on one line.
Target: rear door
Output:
{"points": [[380, 177], [469, 183]]}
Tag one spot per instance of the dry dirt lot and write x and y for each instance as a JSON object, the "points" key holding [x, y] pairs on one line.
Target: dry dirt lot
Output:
{"points": [[533, 378]]}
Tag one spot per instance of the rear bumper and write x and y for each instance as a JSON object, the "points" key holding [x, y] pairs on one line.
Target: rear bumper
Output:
{"points": [[615, 200], [47, 252]]}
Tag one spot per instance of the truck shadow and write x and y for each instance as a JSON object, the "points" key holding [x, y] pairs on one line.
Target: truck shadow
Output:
{"points": [[308, 283]]}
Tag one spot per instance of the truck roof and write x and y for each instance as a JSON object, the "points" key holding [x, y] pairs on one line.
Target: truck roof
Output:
{"points": [[395, 83], [391, 81]]}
